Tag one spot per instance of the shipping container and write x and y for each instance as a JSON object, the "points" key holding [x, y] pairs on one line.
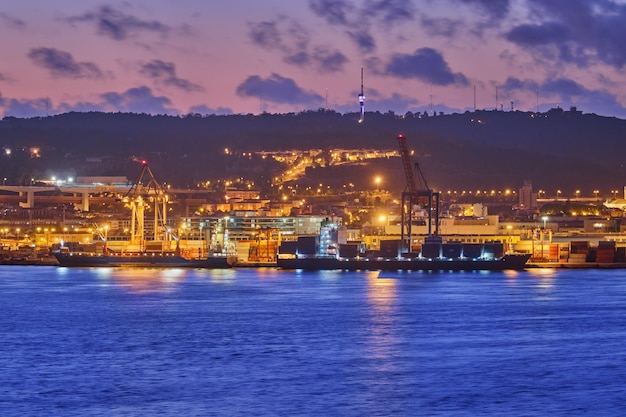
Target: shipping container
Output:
{"points": [[308, 245], [288, 247], [348, 250], [451, 250], [431, 250], [473, 250], [389, 248]]}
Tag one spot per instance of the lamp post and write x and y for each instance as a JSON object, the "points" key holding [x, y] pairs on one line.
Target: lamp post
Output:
{"points": [[558, 193], [383, 223], [377, 181]]}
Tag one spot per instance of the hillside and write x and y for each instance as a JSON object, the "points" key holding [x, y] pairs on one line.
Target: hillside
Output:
{"points": [[475, 150]]}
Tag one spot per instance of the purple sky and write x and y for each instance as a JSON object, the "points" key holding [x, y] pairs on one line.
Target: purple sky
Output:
{"points": [[251, 56]]}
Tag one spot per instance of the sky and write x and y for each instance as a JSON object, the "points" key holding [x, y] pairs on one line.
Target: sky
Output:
{"points": [[279, 56]]}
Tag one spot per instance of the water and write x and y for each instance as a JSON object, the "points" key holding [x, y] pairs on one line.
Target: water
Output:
{"points": [[138, 342]]}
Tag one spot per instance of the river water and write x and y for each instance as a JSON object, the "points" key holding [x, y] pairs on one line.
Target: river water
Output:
{"points": [[265, 342]]}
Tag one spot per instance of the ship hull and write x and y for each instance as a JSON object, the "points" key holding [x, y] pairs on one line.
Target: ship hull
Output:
{"points": [[139, 260], [507, 262]]}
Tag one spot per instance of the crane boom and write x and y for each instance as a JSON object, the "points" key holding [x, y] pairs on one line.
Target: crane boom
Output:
{"points": [[406, 163]]}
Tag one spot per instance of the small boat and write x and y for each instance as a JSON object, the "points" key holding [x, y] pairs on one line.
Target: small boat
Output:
{"points": [[138, 259]]}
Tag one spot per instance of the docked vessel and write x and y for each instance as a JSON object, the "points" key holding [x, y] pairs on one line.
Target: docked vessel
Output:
{"points": [[138, 259], [434, 256], [147, 247]]}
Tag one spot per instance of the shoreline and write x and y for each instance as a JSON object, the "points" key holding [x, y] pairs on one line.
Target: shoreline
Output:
{"points": [[248, 265]]}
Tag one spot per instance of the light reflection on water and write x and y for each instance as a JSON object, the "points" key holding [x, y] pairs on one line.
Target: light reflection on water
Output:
{"points": [[268, 342]]}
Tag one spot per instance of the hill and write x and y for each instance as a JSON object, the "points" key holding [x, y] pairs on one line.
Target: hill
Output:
{"points": [[558, 149]]}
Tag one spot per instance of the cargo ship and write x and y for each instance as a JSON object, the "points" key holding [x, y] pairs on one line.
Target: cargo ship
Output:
{"points": [[435, 255], [138, 259], [152, 247]]}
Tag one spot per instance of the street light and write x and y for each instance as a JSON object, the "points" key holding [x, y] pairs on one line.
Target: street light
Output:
{"points": [[558, 193], [383, 221], [545, 220], [377, 181]]}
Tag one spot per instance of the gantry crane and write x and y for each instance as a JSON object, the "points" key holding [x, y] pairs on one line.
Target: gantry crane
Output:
{"points": [[414, 195], [144, 190]]}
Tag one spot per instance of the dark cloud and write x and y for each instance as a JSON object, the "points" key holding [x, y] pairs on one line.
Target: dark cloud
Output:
{"points": [[119, 26], [23, 108], [12, 21], [134, 100], [445, 27], [323, 60], [329, 61], [425, 64], [358, 17], [569, 93], [266, 34], [300, 59], [391, 11], [277, 89], [533, 35], [292, 42], [284, 34], [62, 64], [513, 84], [363, 40], [82, 107], [577, 31], [202, 109], [334, 12], [165, 72], [562, 87], [137, 100], [495, 9]]}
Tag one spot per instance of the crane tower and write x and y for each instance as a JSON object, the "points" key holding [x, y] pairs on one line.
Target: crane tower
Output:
{"points": [[413, 196]]}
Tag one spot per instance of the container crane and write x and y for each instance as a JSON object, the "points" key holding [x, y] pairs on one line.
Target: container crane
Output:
{"points": [[414, 195], [146, 189]]}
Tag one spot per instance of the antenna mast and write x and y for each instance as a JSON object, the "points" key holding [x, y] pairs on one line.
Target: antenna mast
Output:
{"points": [[362, 100]]}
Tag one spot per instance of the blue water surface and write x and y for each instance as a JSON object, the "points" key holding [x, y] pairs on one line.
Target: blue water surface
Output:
{"points": [[265, 342]]}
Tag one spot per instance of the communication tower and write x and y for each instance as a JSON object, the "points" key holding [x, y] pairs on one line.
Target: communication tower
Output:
{"points": [[362, 100]]}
